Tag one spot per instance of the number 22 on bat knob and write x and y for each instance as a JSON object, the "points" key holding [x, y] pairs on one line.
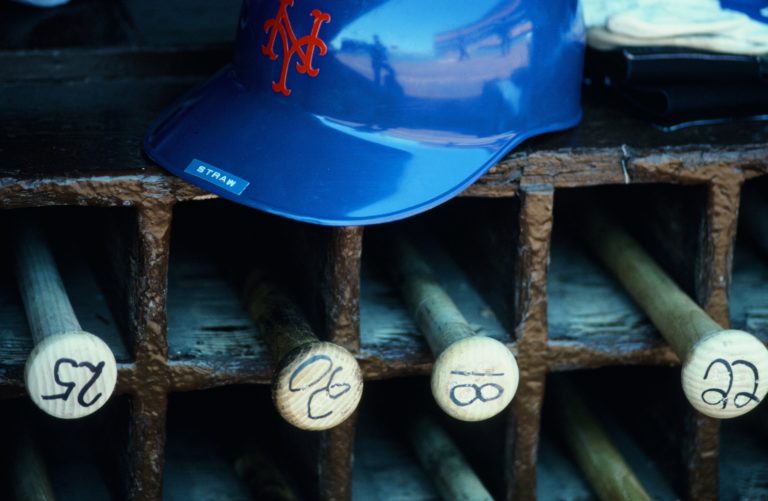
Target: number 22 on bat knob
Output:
{"points": [[746, 376]]}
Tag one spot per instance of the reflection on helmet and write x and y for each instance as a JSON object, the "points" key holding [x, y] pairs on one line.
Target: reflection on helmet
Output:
{"points": [[359, 112]]}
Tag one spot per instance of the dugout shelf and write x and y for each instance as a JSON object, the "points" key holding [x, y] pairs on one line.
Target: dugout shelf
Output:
{"points": [[76, 104]]}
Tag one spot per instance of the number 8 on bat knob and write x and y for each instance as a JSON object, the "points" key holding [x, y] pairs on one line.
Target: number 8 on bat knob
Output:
{"points": [[467, 394], [474, 377]]}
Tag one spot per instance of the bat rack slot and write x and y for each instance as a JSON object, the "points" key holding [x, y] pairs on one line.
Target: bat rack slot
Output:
{"points": [[387, 462], [592, 415]]}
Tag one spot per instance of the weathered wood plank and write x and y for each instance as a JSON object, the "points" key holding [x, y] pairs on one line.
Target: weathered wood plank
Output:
{"points": [[206, 315], [76, 128], [106, 120], [588, 307], [110, 63], [121, 23]]}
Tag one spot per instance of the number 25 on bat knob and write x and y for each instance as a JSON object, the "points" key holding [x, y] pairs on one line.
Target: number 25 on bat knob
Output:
{"points": [[70, 373]]}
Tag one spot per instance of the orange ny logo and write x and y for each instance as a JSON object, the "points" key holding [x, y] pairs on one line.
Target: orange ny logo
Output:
{"points": [[303, 47]]}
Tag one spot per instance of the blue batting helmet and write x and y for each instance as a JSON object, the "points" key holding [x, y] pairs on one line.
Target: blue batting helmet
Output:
{"points": [[346, 112]]}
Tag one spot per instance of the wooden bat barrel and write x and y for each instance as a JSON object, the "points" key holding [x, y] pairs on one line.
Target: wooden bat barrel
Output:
{"points": [[602, 464], [474, 377], [70, 373], [444, 462], [723, 369], [316, 385]]}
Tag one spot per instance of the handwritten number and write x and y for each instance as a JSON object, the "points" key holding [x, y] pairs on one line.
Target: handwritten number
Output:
{"points": [[722, 393], [749, 396], [746, 396], [66, 384], [479, 393], [331, 389], [70, 385], [96, 373], [308, 363]]}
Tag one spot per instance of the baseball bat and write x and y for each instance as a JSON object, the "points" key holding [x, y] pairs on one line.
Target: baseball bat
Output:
{"points": [[316, 385], [30, 481], [602, 464], [70, 373], [474, 377], [722, 368], [444, 462]]}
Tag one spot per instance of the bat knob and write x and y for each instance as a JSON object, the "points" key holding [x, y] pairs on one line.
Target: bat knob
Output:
{"points": [[475, 378], [317, 386], [724, 374], [70, 375]]}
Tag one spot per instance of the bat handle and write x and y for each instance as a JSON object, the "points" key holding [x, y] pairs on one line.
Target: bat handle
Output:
{"points": [[46, 303], [473, 377], [723, 369], [70, 373], [598, 458], [444, 462], [316, 385]]}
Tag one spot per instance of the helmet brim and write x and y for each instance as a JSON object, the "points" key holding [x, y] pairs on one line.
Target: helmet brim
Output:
{"points": [[271, 154]]}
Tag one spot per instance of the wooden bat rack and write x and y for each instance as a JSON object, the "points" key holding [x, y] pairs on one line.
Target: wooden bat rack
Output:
{"points": [[146, 258]]}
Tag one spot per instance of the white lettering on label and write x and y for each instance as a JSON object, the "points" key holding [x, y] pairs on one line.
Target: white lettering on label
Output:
{"points": [[220, 177]]}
